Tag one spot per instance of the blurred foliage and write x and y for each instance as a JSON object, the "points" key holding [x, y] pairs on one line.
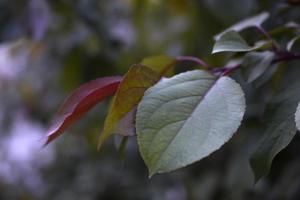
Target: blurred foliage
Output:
{"points": [[50, 47]]}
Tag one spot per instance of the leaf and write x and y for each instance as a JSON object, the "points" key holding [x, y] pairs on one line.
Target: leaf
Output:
{"points": [[297, 117], [279, 131], [128, 95], [266, 76], [256, 63], [79, 102], [291, 43], [287, 28], [160, 64], [232, 41], [187, 117], [126, 125], [253, 21]]}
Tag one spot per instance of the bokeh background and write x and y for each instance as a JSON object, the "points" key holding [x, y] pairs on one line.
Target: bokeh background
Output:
{"points": [[48, 48]]}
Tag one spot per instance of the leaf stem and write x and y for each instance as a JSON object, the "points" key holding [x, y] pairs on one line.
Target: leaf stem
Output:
{"points": [[281, 56], [185, 59], [275, 46], [286, 56], [122, 146], [224, 71], [193, 59]]}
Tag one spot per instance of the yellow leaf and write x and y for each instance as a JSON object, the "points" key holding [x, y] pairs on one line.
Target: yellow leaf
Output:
{"points": [[130, 91], [161, 64]]}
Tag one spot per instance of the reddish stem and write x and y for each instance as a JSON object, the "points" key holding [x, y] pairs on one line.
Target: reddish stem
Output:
{"points": [[185, 59], [286, 56], [193, 59], [281, 56]]}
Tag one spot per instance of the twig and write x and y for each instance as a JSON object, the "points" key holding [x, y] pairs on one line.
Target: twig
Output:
{"points": [[185, 59], [275, 46], [193, 59], [281, 56]]}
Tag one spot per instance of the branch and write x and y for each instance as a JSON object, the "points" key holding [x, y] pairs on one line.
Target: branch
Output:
{"points": [[281, 57]]}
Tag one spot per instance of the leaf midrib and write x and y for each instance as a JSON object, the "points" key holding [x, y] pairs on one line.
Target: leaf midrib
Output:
{"points": [[172, 140]]}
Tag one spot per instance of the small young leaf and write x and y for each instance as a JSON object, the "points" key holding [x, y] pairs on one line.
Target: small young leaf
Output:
{"points": [[159, 64], [80, 101], [232, 41], [291, 43], [253, 21], [185, 118], [256, 63], [279, 131], [128, 95], [286, 29]]}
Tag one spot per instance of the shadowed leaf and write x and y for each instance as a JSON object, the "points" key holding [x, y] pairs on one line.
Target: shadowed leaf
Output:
{"points": [[279, 131], [256, 63]]}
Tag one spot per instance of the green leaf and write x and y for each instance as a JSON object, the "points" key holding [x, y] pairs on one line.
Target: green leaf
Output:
{"points": [[253, 21], [232, 41], [185, 118], [291, 43], [286, 29], [279, 131], [266, 76], [297, 117], [256, 63], [160, 64], [120, 116]]}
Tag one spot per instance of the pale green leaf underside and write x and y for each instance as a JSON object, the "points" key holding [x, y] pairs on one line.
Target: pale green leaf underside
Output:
{"points": [[256, 63], [291, 43], [297, 117], [232, 41], [253, 21], [187, 117]]}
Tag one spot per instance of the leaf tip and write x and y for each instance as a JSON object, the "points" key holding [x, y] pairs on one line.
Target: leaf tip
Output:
{"points": [[101, 141], [215, 49], [99, 145], [47, 139], [44, 141], [151, 174]]}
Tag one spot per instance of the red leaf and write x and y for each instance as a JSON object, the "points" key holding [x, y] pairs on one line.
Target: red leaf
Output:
{"points": [[80, 101]]}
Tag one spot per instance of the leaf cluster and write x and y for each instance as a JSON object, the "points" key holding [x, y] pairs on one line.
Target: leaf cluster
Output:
{"points": [[180, 119]]}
